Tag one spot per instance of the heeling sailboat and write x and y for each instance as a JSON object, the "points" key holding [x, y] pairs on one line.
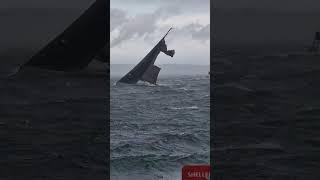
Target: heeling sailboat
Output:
{"points": [[78, 45], [146, 70]]}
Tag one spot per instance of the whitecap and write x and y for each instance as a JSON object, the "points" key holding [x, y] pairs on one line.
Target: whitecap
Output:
{"points": [[182, 108], [183, 88]]}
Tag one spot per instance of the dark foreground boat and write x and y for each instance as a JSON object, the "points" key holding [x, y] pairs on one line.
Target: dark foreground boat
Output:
{"points": [[146, 70], [78, 45]]}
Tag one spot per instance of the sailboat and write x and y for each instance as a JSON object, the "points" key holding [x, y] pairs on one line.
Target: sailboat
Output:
{"points": [[84, 40], [146, 70]]}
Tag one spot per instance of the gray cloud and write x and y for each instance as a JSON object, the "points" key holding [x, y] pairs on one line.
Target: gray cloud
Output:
{"points": [[169, 2], [196, 31], [139, 25], [144, 25], [117, 18], [149, 20], [202, 34], [188, 6]]}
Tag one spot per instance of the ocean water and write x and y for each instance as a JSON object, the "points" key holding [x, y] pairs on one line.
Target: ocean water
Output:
{"points": [[52, 124], [266, 108], [157, 129]]}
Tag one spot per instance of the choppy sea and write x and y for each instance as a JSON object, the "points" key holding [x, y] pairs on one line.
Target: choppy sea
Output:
{"points": [[157, 129]]}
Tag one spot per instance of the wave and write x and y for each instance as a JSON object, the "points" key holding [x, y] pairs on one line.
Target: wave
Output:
{"points": [[180, 142], [151, 166], [154, 162], [184, 108], [158, 139]]}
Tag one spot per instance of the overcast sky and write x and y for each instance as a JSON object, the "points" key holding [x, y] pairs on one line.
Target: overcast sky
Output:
{"points": [[137, 25]]}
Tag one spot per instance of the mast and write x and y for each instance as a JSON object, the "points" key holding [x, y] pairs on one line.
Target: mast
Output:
{"points": [[167, 33]]}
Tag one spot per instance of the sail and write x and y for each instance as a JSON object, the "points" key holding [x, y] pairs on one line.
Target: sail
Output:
{"points": [[151, 74], [76, 47], [146, 70]]}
